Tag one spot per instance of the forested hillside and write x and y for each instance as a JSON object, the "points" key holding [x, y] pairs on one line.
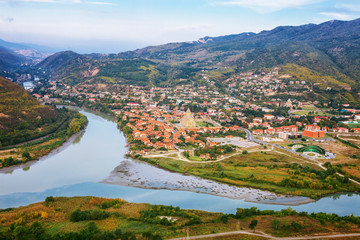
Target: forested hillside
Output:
{"points": [[22, 117]]}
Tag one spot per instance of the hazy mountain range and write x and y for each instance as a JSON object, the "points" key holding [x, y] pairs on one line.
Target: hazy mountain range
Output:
{"points": [[330, 49]]}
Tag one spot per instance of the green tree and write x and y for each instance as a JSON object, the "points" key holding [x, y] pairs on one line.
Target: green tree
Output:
{"points": [[253, 224], [26, 156]]}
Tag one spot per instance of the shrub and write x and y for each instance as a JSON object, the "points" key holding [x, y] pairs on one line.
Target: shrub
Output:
{"points": [[78, 215], [49, 200]]}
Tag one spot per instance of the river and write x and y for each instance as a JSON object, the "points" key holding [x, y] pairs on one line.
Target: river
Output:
{"points": [[94, 164]]}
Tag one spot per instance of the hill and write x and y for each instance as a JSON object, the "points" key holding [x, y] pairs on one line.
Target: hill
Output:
{"points": [[22, 117], [9, 60], [31, 52], [72, 68], [330, 51]]}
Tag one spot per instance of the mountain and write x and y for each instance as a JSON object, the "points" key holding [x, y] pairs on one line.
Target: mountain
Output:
{"points": [[9, 60], [32, 52], [56, 60], [329, 50], [22, 117], [337, 42], [73, 68]]}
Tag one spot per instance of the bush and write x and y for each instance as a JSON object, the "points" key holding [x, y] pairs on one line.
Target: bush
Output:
{"points": [[275, 224], [49, 200], [78, 215]]}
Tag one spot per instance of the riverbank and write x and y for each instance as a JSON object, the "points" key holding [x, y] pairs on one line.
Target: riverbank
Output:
{"points": [[53, 152], [136, 174], [35, 149]]}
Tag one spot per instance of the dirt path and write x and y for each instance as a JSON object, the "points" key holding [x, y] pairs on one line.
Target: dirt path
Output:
{"points": [[182, 158]]}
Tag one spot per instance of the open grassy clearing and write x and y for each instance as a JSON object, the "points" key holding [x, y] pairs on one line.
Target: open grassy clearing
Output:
{"points": [[313, 112]]}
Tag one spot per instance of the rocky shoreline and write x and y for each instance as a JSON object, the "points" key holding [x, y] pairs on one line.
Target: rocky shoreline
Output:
{"points": [[143, 175]]}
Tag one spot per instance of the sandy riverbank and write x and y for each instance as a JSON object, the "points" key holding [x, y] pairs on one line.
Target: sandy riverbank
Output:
{"points": [[139, 174]]}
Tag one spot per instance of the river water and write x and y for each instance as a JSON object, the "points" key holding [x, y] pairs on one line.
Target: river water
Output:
{"points": [[94, 164]]}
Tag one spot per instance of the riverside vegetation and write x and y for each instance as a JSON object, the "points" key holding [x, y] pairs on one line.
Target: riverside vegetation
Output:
{"points": [[33, 150], [101, 218]]}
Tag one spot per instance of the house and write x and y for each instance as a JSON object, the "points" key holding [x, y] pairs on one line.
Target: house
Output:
{"points": [[169, 146], [258, 132], [313, 134], [356, 130], [320, 118], [133, 104], [312, 128], [211, 112], [258, 120], [269, 117], [342, 130], [270, 131], [159, 145], [291, 128]]}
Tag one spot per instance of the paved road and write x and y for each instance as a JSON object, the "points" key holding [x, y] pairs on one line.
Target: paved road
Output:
{"points": [[267, 236]]}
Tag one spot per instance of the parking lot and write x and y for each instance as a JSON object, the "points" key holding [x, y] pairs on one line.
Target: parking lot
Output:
{"points": [[236, 141]]}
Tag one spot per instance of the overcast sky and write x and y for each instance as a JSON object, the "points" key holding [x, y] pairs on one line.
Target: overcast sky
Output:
{"points": [[105, 26]]}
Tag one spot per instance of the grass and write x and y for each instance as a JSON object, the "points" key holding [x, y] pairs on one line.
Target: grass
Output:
{"points": [[262, 170], [354, 125], [204, 124], [108, 79], [196, 158], [315, 113]]}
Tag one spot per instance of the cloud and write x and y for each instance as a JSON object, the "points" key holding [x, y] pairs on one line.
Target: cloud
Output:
{"points": [[337, 15], [56, 1], [9, 19], [100, 3], [347, 7], [266, 6], [27, 1]]}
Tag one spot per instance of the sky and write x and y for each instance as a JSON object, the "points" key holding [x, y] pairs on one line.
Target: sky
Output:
{"points": [[109, 26]]}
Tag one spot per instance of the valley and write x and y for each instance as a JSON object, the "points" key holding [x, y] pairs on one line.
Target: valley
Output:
{"points": [[243, 124]]}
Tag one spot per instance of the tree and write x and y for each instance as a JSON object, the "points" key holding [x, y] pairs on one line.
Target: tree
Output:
{"points": [[253, 224], [49, 200], [26, 156]]}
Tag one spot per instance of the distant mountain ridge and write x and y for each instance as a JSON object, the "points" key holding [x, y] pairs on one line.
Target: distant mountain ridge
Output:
{"points": [[10, 60], [32, 52], [330, 50]]}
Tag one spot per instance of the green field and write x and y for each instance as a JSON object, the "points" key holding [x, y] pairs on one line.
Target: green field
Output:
{"points": [[271, 171]]}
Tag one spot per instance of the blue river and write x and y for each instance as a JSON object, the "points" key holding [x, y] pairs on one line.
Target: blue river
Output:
{"points": [[78, 167]]}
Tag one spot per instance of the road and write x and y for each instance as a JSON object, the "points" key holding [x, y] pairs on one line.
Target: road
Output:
{"points": [[267, 236]]}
